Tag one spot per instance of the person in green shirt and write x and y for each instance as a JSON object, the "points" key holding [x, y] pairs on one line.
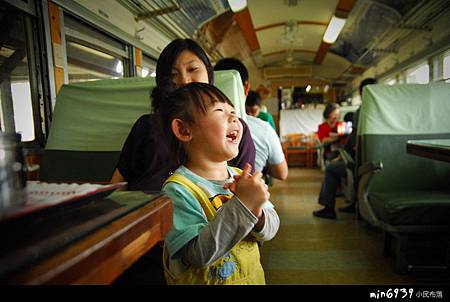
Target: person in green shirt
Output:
{"points": [[253, 107], [266, 116]]}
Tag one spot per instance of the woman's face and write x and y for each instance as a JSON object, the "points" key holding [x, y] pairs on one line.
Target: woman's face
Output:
{"points": [[188, 68], [333, 117]]}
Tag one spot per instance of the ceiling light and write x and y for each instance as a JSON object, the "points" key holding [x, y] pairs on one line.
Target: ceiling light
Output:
{"points": [[237, 5], [333, 29]]}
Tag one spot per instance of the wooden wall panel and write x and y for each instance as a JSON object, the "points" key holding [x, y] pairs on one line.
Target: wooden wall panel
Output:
{"points": [[244, 20], [55, 30], [55, 33]]}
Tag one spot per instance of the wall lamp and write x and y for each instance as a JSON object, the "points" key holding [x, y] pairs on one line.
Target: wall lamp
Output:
{"points": [[334, 27]]}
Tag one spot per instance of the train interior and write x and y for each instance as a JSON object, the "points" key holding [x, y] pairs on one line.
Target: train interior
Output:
{"points": [[75, 76]]}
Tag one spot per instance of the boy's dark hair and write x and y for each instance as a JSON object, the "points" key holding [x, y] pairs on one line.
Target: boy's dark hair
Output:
{"points": [[365, 82], [184, 103], [329, 109], [168, 57], [348, 117], [253, 98], [232, 63]]}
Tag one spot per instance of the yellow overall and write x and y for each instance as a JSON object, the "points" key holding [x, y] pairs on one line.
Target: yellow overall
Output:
{"points": [[240, 266]]}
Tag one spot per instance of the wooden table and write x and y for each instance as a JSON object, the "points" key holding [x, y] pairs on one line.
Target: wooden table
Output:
{"points": [[105, 253], [438, 149]]}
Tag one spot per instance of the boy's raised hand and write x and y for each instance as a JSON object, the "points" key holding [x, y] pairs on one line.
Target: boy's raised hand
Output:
{"points": [[250, 189]]}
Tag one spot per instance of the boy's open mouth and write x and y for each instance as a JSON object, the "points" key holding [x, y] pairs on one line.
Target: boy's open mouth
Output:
{"points": [[232, 136]]}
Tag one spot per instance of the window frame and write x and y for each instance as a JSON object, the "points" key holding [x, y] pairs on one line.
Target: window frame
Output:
{"points": [[79, 31], [445, 54], [416, 67], [151, 66], [32, 23]]}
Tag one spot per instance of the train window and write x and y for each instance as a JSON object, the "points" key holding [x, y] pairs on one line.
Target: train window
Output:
{"points": [[446, 67], [86, 64], [15, 91], [419, 74], [391, 81], [356, 99], [148, 66], [91, 54]]}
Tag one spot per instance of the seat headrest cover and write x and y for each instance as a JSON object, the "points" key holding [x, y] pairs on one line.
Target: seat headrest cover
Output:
{"points": [[405, 109], [98, 115], [230, 83]]}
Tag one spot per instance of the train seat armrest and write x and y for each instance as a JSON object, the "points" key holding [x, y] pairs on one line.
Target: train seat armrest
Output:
{"points": [[370, 167], [349, 162]]}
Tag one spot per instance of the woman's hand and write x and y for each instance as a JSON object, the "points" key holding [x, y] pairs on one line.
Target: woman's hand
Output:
{"points": [[251, 190], [334, 136], [331, 139]]}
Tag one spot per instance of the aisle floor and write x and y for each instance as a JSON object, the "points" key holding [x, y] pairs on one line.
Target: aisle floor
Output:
{"points": [[311, 250]]}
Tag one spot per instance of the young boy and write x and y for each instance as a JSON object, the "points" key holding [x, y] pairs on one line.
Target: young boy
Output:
{"points": [[219, 213]]}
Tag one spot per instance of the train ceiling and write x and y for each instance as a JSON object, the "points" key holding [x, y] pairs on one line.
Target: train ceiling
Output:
{"points": [[288, 33]]}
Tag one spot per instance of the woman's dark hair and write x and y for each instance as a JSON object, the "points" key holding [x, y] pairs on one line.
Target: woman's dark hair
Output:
{"points": [[329, 109], [348, 117], [168, 57], [183, 103]]}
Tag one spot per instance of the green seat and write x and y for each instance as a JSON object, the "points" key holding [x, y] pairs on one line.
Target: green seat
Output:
{"points": [[91, 121], [401, 193], [412, 208]]}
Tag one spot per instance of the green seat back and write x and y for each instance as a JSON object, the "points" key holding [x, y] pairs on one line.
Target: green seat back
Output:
{"points": [[91, 121], [392, 115], [98, 115]]}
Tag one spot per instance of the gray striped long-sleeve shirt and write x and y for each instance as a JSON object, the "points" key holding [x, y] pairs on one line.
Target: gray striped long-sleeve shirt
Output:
{"points": [[233, 222]]}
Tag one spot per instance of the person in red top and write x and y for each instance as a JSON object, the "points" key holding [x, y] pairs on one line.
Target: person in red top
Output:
{"points": [[328, 131], [337, 169]]}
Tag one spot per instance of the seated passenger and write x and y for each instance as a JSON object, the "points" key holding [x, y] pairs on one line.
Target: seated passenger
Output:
{"points": [[269, 152], [328, 132], [254, 108], [336, 170], [145, 161]]}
